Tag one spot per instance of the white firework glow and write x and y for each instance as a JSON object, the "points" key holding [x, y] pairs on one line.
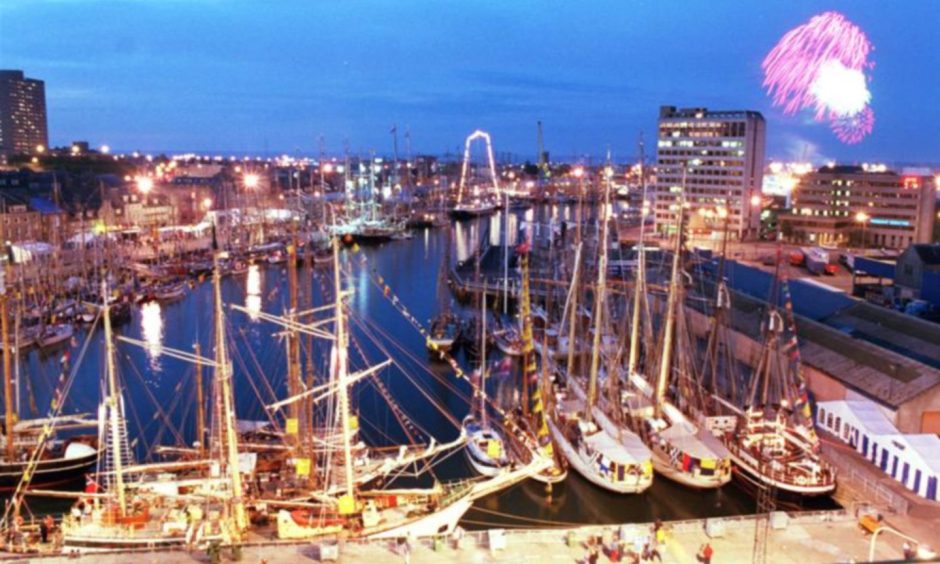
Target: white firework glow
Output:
{"points": [[839, 91]]}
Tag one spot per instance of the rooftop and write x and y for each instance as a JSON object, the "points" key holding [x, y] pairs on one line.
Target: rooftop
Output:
{"points": [[929, 254]]}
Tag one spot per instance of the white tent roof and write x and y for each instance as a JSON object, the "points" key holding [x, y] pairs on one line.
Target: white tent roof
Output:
{"points": [[865, 413], [927, 448], [870, 420]]}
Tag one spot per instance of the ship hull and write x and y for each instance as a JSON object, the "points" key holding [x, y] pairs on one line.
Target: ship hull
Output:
{"points": [[470, 213], [587, 472], [48, 473], [441, 522], [663, 466], [746, 472]]}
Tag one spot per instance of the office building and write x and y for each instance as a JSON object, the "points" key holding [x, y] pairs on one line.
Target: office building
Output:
{"points": [[22, 113], [723, 156], [857, 206]]}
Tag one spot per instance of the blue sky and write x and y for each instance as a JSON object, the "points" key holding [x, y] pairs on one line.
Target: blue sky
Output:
{"points": [[236, 76]]}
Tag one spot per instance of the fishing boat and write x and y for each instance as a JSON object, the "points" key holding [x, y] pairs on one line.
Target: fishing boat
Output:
{"points": [[163, 505], [486, 448], [288, 453], [374, 230], [63, 462]]}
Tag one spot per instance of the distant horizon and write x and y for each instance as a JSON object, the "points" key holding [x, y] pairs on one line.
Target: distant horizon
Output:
{"points": [[597, 160]]}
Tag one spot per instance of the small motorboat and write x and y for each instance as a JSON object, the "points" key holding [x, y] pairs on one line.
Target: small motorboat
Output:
{"points": [[55, 335]]}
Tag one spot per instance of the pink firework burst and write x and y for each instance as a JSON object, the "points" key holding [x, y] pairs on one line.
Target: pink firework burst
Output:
{"points": [[793, 65], [852, 129]]}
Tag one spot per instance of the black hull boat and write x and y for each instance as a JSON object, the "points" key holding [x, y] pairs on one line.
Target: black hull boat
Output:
{"points": [[67, 463]]}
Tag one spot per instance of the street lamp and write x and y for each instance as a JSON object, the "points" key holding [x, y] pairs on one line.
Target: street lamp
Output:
{"points": [[251, 181], [862, 217], [144, 184]]}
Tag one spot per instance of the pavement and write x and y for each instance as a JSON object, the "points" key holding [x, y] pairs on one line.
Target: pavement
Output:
{"points": [[817, 537]]}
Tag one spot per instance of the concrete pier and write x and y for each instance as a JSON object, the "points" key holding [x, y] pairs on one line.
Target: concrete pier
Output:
{"points": [[827, 536]]}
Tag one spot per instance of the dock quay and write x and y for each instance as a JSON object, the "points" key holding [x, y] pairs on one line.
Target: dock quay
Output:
{"points": [[818, 536]]}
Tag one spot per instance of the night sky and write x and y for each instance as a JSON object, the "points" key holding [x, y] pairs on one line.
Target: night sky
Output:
{"points": [[229, 76]]}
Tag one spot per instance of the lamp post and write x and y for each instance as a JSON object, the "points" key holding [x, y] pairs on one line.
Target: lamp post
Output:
{"points": [[862, 217]]}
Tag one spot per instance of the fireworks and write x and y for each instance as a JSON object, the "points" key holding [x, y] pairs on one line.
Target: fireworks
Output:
{"points": [[839, 90], [852, 129], [821, 65]]}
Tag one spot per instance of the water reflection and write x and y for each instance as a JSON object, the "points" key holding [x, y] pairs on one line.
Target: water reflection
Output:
{"points": [[151, 329], [253, 292]]}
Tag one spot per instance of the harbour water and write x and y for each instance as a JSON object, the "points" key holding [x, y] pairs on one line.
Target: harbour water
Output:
{"points": [[161, 394]]}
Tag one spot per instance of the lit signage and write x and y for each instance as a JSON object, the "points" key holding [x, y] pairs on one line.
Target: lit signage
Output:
{"points": [[891, 222]]}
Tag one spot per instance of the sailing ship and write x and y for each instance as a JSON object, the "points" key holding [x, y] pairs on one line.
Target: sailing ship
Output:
{"points": [[364, 512], [682, 451], [532, 418], [445, 326], [772, 439], [476, 204], [279, 451], [486, 447], [27, 449], [619, 462], [162, 505]]}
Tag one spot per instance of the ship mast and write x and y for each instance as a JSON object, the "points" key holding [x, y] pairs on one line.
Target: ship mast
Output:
{"points": [[113, 403], [599, 294], [295, 428], [639, 288], [483, 358], [200, 404], [573, 302], [720, 318], [340, 358], [9, 416], [223, 373], [669, 330], [579, 172]]}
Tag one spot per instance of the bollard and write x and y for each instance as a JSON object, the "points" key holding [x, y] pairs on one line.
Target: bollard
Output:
{"points": [[570, 540], [236, 553], [438, 543]]}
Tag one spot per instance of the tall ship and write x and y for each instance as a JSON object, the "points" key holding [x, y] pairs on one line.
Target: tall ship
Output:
{"points": [[682, 451], [27, 447], [486, 447], [606, 454], [767, 423], [173, 505], [357, 509], [474, 202], [533, 416]]}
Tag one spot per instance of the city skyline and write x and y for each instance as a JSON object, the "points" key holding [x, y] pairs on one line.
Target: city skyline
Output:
{"points": [[210, 76]]}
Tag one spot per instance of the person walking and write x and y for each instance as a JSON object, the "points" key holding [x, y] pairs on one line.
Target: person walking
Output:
{"points": [[705, 553]]}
